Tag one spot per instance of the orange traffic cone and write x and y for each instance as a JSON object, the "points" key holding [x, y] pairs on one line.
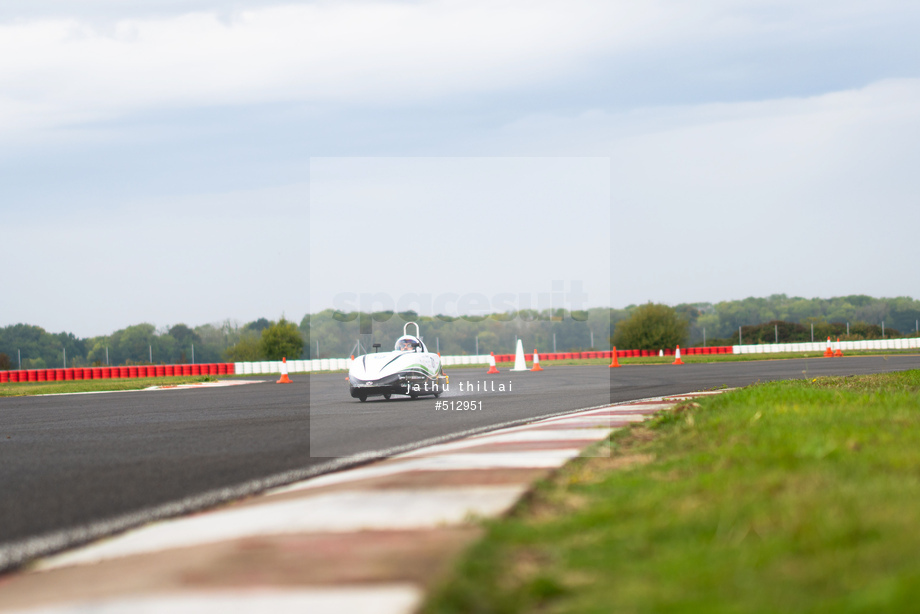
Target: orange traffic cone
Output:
{"points": [[828, 352], [839, 352], [284, 375], [677, 360], [536, 361], [492, 367], [614, 363]]}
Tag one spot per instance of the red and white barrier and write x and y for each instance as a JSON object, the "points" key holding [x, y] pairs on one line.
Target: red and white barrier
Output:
{"points": [[821, 346], [128, 372]]}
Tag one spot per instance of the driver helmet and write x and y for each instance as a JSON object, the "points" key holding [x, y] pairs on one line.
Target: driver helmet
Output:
{"points": [[407, 344]]}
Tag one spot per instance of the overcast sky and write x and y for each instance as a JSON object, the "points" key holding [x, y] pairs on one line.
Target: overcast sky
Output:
{"points": [[194, 160]]}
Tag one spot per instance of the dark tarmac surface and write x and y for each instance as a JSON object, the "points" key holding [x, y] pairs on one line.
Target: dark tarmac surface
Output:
{"points": [[67, 461]]}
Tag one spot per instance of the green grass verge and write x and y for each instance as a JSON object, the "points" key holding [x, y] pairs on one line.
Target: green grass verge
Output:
{"points": [[786, 496], [97, 385]]}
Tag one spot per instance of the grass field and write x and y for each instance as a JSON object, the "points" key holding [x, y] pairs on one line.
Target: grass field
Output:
{"points": [[101, 385], [786, 496]]}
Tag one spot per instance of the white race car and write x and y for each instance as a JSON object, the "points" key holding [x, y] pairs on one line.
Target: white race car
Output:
{"points": [[410, 369]]}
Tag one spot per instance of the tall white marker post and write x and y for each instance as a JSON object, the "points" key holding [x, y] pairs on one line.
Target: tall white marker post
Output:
{"points": [[519, 363]]}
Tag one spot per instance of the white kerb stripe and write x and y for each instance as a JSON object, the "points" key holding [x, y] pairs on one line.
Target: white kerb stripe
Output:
{"points": [[532, 435], [378, 599], [544, 459], [330, 512]]}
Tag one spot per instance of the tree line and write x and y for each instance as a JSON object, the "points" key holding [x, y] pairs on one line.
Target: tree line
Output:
{"points": [[721, 321], [336, 334], [138, 344]]}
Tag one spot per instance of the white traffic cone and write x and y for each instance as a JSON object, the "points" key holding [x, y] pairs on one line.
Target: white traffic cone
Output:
{"points": [[519, 363]]}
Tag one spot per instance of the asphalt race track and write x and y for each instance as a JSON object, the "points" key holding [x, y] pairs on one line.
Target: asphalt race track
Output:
{"points": [[70, 461]]}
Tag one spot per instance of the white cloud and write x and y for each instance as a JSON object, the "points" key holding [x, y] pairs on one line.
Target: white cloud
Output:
{"points": [[62, 70], [779, 151], [360, 53], [465, 226], [811, 196], [194, 259], [783, 193]]}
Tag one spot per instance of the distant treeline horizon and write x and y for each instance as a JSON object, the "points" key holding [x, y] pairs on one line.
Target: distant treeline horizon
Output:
{"points": [[330, 333]]}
